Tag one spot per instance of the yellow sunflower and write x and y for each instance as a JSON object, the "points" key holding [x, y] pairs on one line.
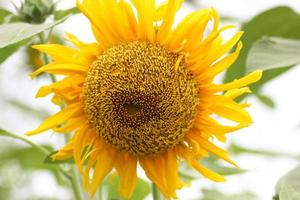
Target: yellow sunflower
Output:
{"points": [[144, 93]]}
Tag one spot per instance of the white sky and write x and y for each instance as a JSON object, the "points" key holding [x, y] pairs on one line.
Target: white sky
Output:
{"points": [[276, 129]]}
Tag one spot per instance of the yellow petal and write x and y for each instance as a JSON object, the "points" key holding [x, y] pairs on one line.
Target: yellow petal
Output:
{"points": [[64, 153], [71, 125], [234, 93], [190, 28], [246, 80], [64, 54], [72, 82], [56, 119], [221, 65], [92, 48], [173, 181], [104, 165], [126, 168], [231, 110], [154, 167], [61, 68], [145, 12], [210, 147], [206, 172], [166, 28]]}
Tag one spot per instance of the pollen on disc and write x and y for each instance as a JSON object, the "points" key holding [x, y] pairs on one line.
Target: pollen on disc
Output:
{"points": [[140, 97]]}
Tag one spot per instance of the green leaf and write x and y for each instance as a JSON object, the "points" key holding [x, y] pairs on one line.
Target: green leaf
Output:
{"points": [[142, 188], [16, 32], [6, 52], [30, 159], [273, 52], [292, 178], [288, 193], [217, 195], [30, 111], [4, 14], [59, 14], [266, 100], [279, 22], [238, 150]]}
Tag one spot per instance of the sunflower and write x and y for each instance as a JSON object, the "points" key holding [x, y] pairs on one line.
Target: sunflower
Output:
{"points": [[144, 93]]}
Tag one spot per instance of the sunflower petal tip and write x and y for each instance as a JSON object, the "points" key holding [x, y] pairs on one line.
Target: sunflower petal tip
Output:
{"points": [[31, 133]]}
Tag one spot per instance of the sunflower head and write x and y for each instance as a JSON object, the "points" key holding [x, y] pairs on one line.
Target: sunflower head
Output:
{"points": [[144, 93], [140, 97]]}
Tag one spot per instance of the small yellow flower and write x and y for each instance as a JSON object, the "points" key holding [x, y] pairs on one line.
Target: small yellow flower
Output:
{"points": [[144, 93]]}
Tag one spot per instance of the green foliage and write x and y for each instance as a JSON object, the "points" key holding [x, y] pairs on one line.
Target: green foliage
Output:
{"points": [[29, 110], [278, 22], [4, 15], [288, 193], [59, 14], [112, 182], [288, 181], [36, 11], [29, 159], [266, 100], [273, 52], [16, 32], [217, 195], [238, 150], [7, 51]]}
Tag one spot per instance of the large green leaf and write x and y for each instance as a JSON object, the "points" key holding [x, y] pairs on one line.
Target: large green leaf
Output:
{"points": [[15, 32], [273, 52], [288, 193], [279, 22], [6, 52], [111, 184], [292, 178]]}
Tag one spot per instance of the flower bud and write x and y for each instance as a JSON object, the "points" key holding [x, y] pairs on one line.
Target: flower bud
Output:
{"points": [[36, 11]]}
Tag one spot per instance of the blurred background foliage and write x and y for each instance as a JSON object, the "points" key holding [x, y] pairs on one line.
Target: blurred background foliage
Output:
{"points": [[271, 42]]}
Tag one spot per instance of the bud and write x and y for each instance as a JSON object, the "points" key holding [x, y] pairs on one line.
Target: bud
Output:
{"points": [[36, 11]]}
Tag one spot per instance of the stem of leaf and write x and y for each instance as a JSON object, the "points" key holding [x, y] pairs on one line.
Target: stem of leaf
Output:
{"points": [[34, 145], [155, 192]]}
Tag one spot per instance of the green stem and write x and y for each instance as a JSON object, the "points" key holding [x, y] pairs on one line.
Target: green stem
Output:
{"points": [[100, 194], [34, 145], [75, 180], [76, 184], [26, 140], [155, 192]]}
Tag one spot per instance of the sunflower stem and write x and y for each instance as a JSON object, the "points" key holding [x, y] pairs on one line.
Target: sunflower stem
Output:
{"points": [[76, 184], [155, 192]]}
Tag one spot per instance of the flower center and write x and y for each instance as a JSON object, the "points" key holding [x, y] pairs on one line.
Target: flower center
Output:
{"points": [[140, 98]]}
